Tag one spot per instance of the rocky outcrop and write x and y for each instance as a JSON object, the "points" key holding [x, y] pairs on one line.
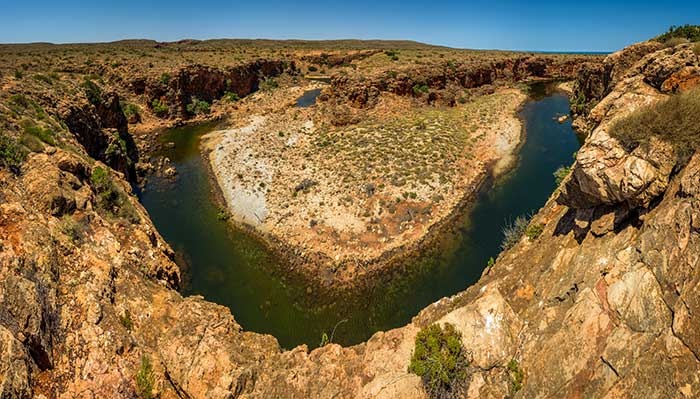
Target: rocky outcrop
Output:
{"points": [[442, 82], [207, 83]]}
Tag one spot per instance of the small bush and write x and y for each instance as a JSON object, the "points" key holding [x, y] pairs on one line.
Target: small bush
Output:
{"points": [[268, 84], [131, 111], [11, 153], [165, 78], [198, 107], [560, 174], [32, 143], [43, 78], [145, 380], [160, 108], [534, 231], [111, 198], [516, 376], [674, 120], [419, 89], [126, 321], [75, 230], [92, 91], [232, 97], [440, 360], [312, 68], [44, 134], [19, 74], [513, 231]]}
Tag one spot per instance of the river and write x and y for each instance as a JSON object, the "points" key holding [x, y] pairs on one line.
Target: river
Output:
{"points": [[231, 268]]}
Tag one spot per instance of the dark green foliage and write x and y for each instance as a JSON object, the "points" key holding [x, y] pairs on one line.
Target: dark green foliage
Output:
{"points": [[419, 89], [440, 360], [165, 78], [689, 32], [18, 74], [160, 108], [312, 68], [392, 54], [560, 174], [111, 199], [11, 153], [674, 120], [145, 380], [198, 107], [92, 91], [516, 376]]}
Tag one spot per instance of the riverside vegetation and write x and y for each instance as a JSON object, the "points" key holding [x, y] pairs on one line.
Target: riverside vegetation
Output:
{"points": [[601, 299]]}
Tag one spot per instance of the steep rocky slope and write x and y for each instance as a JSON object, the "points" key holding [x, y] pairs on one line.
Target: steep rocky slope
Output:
{"points": [[602, 304]]}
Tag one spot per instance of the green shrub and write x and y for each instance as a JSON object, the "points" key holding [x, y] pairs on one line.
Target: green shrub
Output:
{"points": [[32, 143], [513, 231], [43, 78], [419, 89], [440, 360], [268, 84], [198, 107], [516, 376], [312, 68], [689, 32], [44, 134], [674, 120], [145, 380], [111, 199], [131, 110], [560, 174], [232, 97], [18, 74], [126, 321], [165, 78], [11, 153], [160, 108], [75, 230], [534, 231], [92, 91]]}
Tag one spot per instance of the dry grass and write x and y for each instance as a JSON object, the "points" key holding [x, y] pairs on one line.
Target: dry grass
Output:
{"points": [[674, 120]]}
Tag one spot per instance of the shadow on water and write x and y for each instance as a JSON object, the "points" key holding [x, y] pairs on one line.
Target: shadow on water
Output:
{"points": [[231, 268]]}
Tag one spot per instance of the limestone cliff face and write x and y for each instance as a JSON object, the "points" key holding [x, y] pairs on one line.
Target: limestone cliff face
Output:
{"points": [[604, 303]]}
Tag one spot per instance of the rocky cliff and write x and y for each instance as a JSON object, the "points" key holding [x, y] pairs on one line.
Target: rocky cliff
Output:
{"points": [[603, 303], [442, 82]]}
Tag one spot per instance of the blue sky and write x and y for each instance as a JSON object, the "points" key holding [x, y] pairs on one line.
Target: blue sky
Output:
{"points": [[518, 25]]}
